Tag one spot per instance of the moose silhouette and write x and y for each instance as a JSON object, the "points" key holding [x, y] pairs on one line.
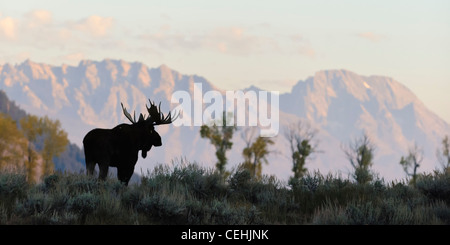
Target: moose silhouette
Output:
{"points": [[119, 147]]}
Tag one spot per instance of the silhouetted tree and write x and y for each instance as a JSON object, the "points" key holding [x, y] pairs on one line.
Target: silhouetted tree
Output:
{"points": [[411, 162], [220, 136], [444, 155], [301, 139], [360, 153], [255, 152]]}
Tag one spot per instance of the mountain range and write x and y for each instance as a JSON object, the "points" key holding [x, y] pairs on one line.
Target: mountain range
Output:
{"points": [[339, 104]]}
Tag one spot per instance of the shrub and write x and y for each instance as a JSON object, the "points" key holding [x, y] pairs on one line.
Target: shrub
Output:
{"points": [[50, 181], [83, 204], [222, 213], [189, 194], [160, 208], [435, 186], [12, 187], [131, 197]]}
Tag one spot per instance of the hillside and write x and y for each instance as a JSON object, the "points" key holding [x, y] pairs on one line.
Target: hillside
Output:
{"points": [[344, 104], [191, 195], [72, 159]]}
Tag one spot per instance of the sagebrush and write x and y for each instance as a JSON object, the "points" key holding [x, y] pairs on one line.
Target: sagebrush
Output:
{"points": [[190, 194]]}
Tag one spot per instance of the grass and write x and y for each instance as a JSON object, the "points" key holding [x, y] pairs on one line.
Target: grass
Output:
{"points": [[189, 194]]}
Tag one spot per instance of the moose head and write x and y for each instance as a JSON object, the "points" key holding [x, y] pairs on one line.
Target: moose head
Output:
{"points": [[155, 117], [119, 146]]}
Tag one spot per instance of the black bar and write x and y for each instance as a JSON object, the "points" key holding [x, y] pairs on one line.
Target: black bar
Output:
{"points": [[257, 234]]}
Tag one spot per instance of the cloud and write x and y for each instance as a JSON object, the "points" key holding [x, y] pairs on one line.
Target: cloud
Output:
{"points": [[371, 36], [14, 57], [307, 51], [37, 31], [95, 25], [39, 17], [40, 30], [166, 38], [297, 38], [73, 57], [64, 34], [30, 28], [8, 28], [232, 40], [284, 85], [165, 17], [239, 41], [303, 46]]}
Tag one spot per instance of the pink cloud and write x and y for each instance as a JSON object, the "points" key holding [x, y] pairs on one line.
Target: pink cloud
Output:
{"points": [[307, 51], [371, 36], [95, 25], [41, 16], [227, 40], [8, 28]]}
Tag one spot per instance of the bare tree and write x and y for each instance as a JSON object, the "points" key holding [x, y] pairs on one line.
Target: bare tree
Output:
{"points": [[256, 151], [444, 155], [248, 134], [360, 153], [220, 135], [301, 138], [412, 161]]}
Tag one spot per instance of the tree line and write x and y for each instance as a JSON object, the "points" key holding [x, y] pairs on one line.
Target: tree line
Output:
{"points": [[71, 159], [31, 144], [303, 145]]}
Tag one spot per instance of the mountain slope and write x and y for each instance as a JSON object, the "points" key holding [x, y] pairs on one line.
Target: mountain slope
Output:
{"points": [[339, 103], [346, 104]]}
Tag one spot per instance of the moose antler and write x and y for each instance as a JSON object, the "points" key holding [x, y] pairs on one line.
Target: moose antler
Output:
{"points": [[157, 117], [127, 114], [132, 119]]}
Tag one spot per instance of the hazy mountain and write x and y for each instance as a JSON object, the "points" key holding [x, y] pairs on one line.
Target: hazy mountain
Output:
{"points": [[345, 104], [339, 103]]}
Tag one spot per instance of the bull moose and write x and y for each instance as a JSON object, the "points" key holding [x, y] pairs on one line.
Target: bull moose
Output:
{"points": [[119, 147]]}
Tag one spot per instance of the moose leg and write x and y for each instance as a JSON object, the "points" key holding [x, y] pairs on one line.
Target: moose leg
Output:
{"points": [[124, 174], [103, 167], [90, 166]]}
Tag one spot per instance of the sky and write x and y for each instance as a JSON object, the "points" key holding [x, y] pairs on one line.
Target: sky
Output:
{"points": [[235, 43]]}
